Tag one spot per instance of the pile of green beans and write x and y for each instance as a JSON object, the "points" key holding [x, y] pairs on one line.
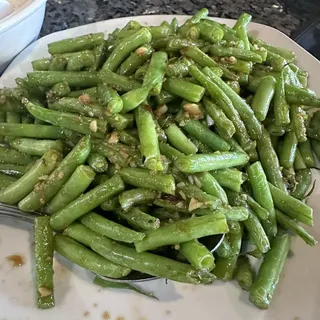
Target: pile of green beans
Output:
{"points": [[134, 148]]}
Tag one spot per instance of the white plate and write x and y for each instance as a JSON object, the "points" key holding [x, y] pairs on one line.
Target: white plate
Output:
{"points": [[298, 294]]}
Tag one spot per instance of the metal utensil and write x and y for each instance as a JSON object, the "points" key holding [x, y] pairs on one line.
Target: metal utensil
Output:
{"points": [[211, 242]]}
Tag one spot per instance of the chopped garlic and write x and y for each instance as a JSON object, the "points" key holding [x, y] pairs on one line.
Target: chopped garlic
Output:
{"points": [[93, 126]]}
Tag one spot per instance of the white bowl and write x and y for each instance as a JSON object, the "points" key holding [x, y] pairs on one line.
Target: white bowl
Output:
{"points": [[19, 29]]}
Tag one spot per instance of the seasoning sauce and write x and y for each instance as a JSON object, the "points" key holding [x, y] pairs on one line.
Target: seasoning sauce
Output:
{"points": [[16, 260]]}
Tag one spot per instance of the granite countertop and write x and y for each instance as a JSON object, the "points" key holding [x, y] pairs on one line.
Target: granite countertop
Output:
{"points": [[285, 15]]}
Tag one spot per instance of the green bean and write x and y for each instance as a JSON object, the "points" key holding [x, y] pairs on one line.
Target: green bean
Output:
{"points": [[84, 257], [128, 138], [144, 262], [242, 54], [135, 60], [197, 254], [299, 162], [256, 208], [262, 98], [86, 202], [149, 144], [155, 72], [110, 204], [234, 85], [269, 161], [235, 238], [125, 47], [209, 33], [275, 61], [301, 96], [184, 89], [306, 153], [99, 53], [49, 187], [6, 180], [72, 189], [224, 102], [59, 90], [298, 117], [119, 154], [178, 139], [211, 186], [130, 198], [36, 147], [183, 231], [78, 60], [229, 178], [84, 125], [234, 226], [109, 98], [291, 225], [118, 81], [130, 26], [303, 182], [285, 53], [257, 233], [142, 178], [281, 107], [208, 162], [32, 131], [120, 121], [90, 92], [242, 34], [179, 67], [262, 195], [202, 148], [223, 125], [288, 150], [225, 268], [176, 43], [43, 251], [172, 204], [264, 286], [76, 44], [138, 219], [205, 135], [198, 198], [174, 25], [244, 273], [97, 162], [110, 229], [134, 98], [20, 188], [12, 156], [246, 113], [241, 66], [224, 250], [59, 64], [291, 206], [199, 57], [171, 153], [41, 64], [74, 79], [161, 31]]}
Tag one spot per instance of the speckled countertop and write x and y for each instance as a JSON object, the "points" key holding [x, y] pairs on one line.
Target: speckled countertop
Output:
{"points": [[285, 15]]}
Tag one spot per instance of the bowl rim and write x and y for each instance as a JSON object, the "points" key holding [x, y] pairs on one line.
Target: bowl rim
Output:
{"points": [[27, 9]]}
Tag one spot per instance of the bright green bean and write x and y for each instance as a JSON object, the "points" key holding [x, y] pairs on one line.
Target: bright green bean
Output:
{"points": [[86, 202], [73, 188], [23, 186]]}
